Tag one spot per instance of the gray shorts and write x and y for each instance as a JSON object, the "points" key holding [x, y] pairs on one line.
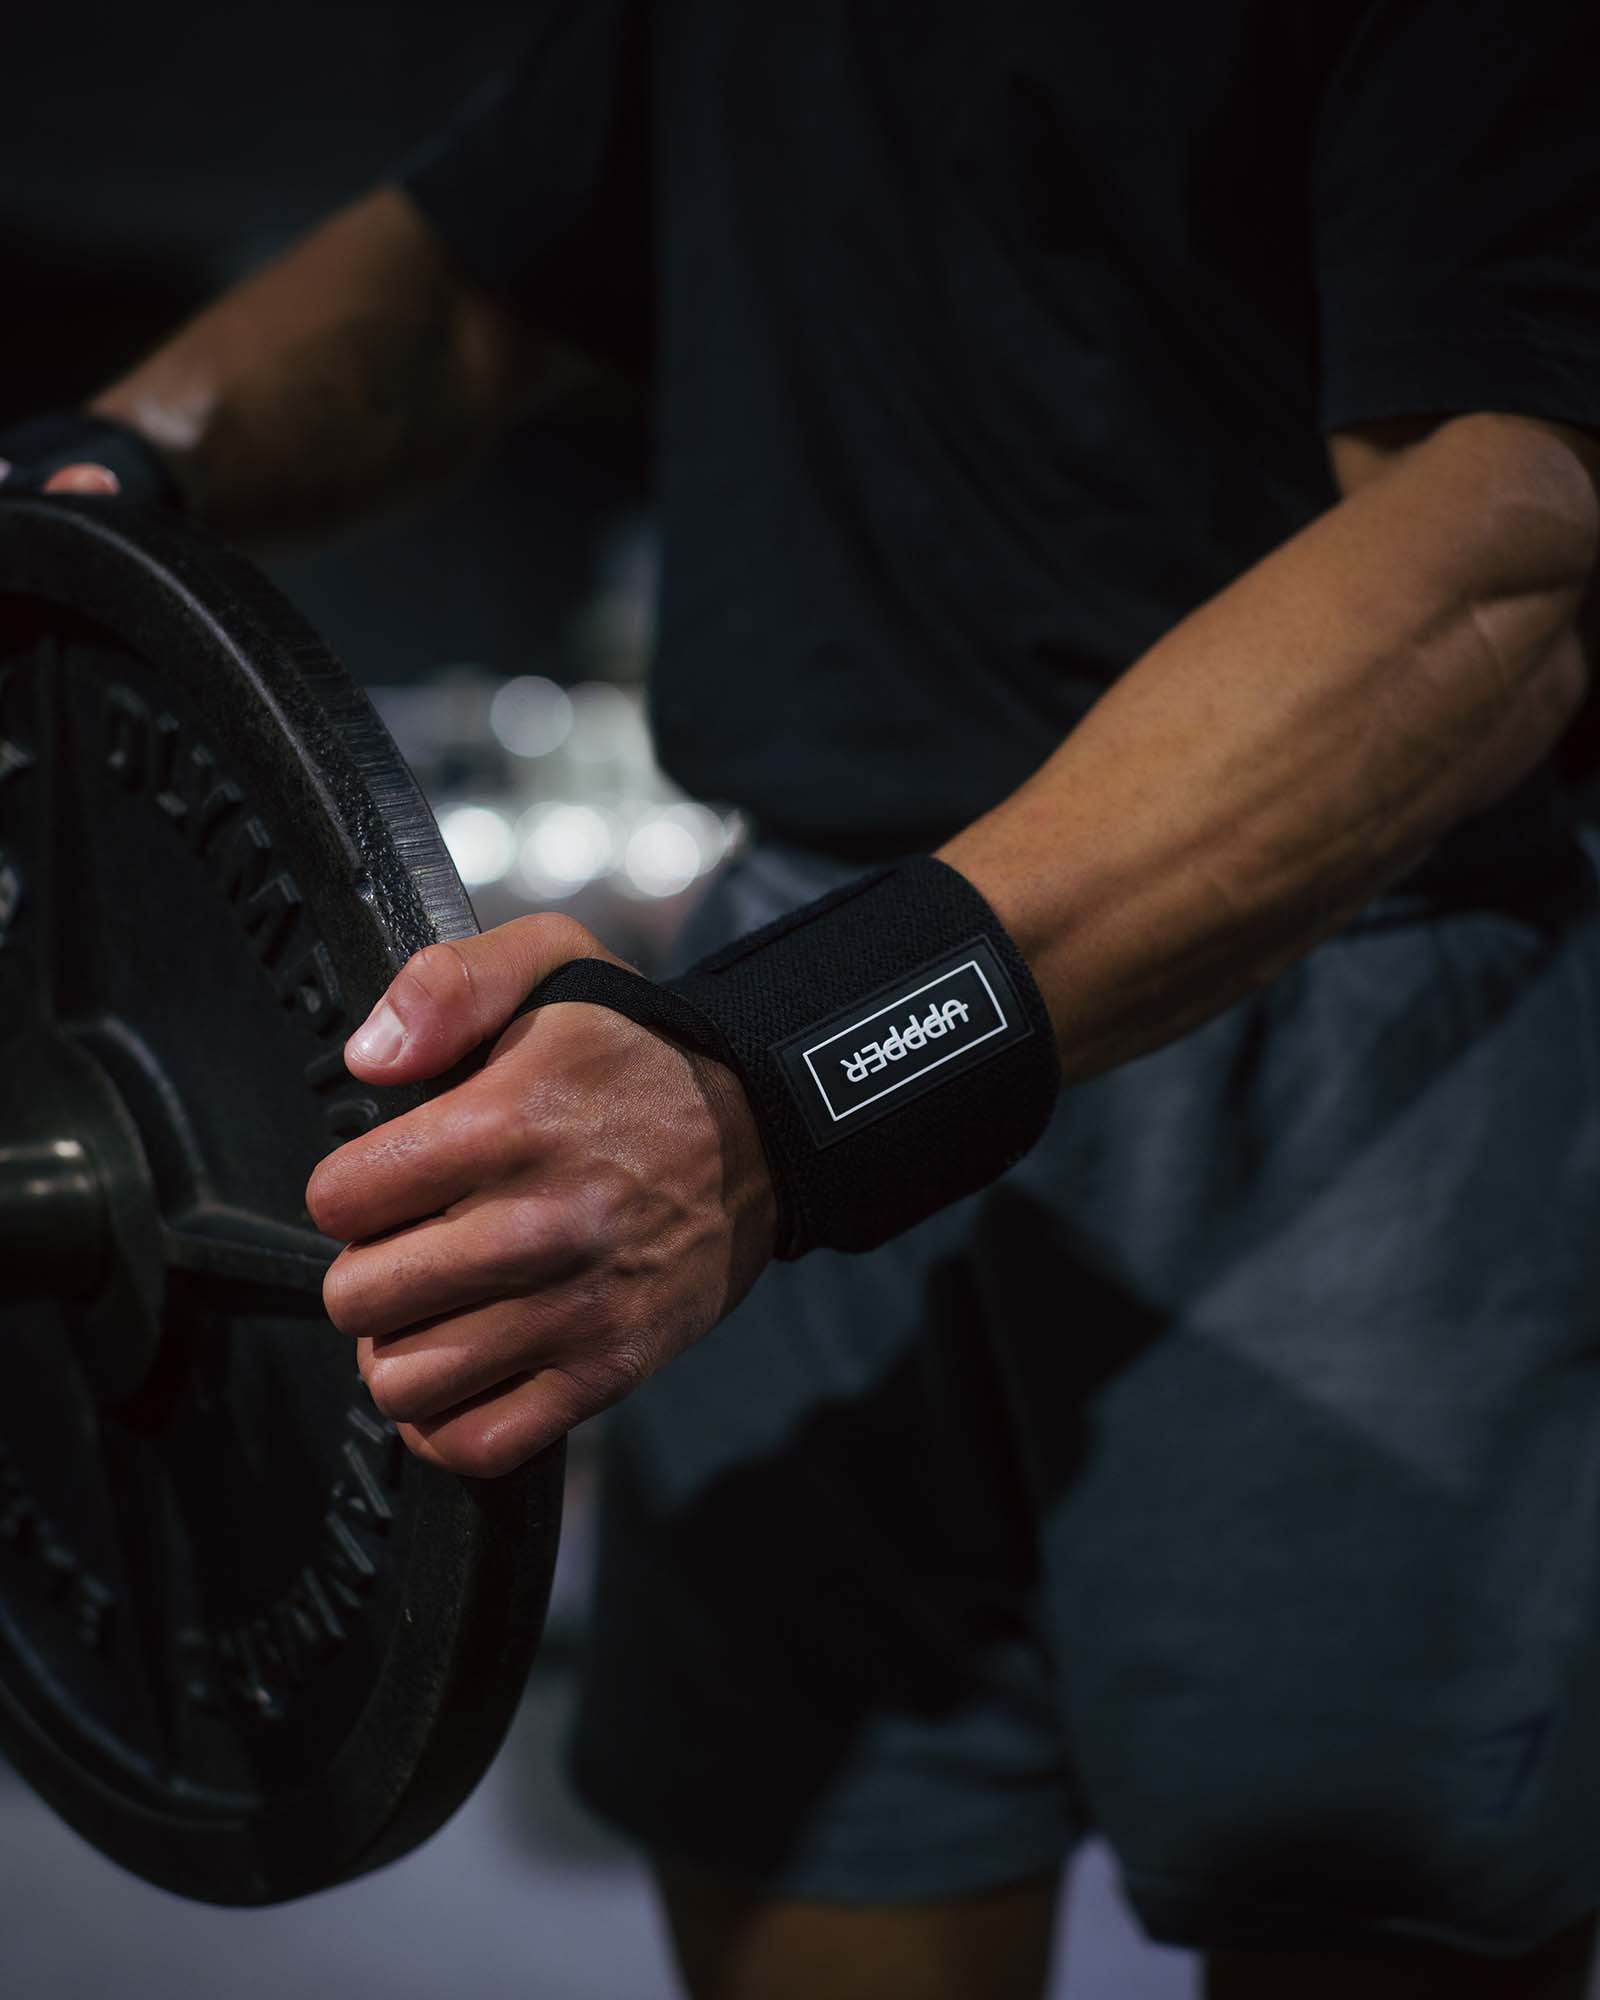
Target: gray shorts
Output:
{"points": [[1225, 1478]]}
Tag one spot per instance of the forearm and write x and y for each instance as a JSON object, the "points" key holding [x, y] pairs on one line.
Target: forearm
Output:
{"points": [[358, 371], [1299, 742]]}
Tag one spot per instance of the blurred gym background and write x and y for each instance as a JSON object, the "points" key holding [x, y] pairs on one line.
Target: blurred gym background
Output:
{"points": [[148, 156]]}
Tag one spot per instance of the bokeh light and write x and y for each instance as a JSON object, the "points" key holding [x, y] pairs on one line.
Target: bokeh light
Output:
{"points": [[480, 843], [662, 856], [531, 716], [562, 846], [608, 725]]}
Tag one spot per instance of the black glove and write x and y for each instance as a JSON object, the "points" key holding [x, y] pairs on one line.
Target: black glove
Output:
{"points": [[42, 446]]}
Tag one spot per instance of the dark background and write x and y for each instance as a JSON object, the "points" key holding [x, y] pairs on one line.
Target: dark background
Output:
{"points": [[150, 154]]}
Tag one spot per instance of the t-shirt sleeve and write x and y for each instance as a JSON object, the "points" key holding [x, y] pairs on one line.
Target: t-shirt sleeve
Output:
{"points": [[1455, 211], [542, 186]]}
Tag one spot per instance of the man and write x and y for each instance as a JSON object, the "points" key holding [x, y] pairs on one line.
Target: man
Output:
{"points": [[1145, 457]]}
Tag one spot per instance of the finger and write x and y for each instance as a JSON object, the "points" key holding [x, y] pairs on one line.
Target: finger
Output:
{"points": [[83, 479], [453, 997], [419, 1164], [428, 1371], [492, 1251], [494, 1433]]}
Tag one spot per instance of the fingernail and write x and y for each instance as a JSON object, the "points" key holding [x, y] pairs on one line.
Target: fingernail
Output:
{"points": [[381, 1037], [84, 479]]}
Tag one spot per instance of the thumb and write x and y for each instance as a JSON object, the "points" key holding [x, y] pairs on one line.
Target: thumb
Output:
{"points": [[451, 998]]}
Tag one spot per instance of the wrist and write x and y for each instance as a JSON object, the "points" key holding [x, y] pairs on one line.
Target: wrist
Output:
{"points": [[749, 1197], [889, 1038]]}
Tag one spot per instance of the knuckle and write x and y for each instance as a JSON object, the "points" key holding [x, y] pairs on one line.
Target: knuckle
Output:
{"points": [[340, 1297], [494, 1129], [625, 1365], [438, 976], [556, 937], [392, 1396], [515, 1245], [631, 1364], [379, 1389], [568, 1233], [335, 1190], [320, 1201]]}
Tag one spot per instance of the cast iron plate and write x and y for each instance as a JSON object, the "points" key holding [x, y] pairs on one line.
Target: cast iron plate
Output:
{"points": [[249, 1647]]}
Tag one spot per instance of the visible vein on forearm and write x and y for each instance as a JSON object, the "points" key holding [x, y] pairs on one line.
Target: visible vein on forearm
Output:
{"points": [[1298, 743]]}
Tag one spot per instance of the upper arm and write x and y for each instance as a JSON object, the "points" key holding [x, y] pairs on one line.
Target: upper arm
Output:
{"points": [[510, 365], [1360, 453]]}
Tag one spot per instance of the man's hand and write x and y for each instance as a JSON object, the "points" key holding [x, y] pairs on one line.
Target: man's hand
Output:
{"points": [[532, 1244], [76, 479]]}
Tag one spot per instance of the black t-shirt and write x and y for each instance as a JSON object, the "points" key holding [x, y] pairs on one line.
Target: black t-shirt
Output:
{"points": [[987, 341]]}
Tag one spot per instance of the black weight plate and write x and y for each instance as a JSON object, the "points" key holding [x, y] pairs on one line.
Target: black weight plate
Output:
{"points": [[249, 1647]]}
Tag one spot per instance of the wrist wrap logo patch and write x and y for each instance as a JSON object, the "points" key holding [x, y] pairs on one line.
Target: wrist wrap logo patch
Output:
{"points": [[934, 1025]]}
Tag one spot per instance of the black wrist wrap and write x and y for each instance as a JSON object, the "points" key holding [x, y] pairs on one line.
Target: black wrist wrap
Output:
{"points": [[891, 1040], [47, 444]]}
